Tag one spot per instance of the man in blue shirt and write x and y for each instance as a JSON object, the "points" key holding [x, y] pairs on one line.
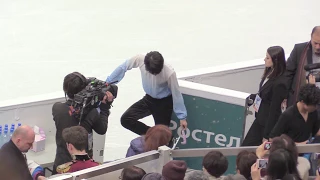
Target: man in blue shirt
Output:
{"points": [[163, 96]]}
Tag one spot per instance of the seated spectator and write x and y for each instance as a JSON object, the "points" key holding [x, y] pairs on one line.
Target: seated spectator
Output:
{"points": [[244, 161], [76, 138], [280, 164], [285, 142], [156, 136], [153, 176], [301, 119], [13, 159], [215, 164], [132, 173], [196, 175], [174, 170]]}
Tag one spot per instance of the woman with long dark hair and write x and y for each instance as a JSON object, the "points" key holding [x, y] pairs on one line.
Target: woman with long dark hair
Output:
{"points": [[280, 164], [267, 102]]}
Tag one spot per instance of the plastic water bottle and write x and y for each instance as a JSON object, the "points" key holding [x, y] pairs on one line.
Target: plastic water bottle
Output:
{"points": [[5, 136], [11, 132], [6, 126], [1, 138], [19, 124], [13, 125]]}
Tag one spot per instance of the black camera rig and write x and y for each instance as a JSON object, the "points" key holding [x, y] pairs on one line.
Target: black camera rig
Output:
{"points": [[90, 97]]}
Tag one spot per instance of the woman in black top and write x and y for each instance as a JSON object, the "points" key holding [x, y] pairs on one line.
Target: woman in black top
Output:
{"points": [[267, 102]]}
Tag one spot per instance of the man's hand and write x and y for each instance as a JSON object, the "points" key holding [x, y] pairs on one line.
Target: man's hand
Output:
{"points": [[108, 97], [260, 151], [183, 124], [255, 172], [312, 79]]}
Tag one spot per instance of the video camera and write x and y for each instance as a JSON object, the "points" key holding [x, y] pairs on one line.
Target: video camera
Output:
{"points": [[310, 67], [91, 96]]}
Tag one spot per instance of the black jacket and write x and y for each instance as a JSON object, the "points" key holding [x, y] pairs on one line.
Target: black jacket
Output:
{"points": [[272, 93], [13, 165], [92, 121], [295, 72]]}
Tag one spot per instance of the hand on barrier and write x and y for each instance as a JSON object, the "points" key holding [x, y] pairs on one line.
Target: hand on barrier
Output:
{"points": [[183, 123], [183, 137]]}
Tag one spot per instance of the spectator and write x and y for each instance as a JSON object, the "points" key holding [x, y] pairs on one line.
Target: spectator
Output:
{"points": [[174, 170], [196, 175], [280, 164], [158, 135], [244, 161], [76, 138], [215, 164], [300, 120], [132, 173], [12, 155], [285, 142]]}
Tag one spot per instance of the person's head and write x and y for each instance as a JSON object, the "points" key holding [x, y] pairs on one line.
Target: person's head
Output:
{"points": [[74, 83], [76, 138], [280, 163], [174, 170], [132, 173], [244, 161], [215, 163], [156, 136], [315, 40], [153, 176], [196, 175], [275, 62], [309, 97], [154, 62], [285, 142], [23, 138]]}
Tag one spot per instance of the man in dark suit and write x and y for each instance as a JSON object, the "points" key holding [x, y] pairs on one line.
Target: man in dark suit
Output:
{"points": [[302, 54], [13, 161]]}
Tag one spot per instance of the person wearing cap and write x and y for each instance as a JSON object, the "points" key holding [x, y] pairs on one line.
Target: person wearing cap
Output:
{"points": [[174, 170]]}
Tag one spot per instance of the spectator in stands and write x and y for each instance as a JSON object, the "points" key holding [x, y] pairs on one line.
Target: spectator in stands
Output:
{"points": [[76, 138], [196, 175], [156, 136], [280, 164], [244, 161], [267, 102], [153, 176], [215, 164], [300, 121], [302, 54], [92, 121], [13, 159], [132, 173], [174, 170], [285, 142]]}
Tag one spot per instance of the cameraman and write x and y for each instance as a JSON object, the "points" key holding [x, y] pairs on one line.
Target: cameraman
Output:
{"points": [[302, 54], [92, 120]]}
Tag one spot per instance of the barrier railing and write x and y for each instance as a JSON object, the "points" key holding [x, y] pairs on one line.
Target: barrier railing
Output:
{"points": [[199, 152], [164, 155]]}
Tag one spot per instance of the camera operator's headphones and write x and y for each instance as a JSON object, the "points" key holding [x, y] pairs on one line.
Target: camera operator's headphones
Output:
{"points": [[83, 79]]}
